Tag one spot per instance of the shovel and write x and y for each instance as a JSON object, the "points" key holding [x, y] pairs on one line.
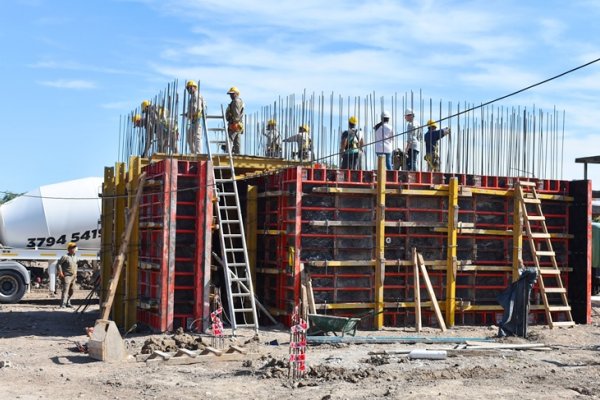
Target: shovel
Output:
{"points": [[106, 343]]}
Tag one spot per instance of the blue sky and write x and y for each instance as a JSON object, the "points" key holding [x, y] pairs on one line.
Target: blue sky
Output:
{"points": [[71, 68]]}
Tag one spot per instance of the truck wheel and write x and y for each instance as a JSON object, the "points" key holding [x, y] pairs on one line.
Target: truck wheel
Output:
{"points": [[12, 287]]}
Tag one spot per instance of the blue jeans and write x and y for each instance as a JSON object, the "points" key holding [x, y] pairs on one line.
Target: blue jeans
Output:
{"points": [[388, 160]]}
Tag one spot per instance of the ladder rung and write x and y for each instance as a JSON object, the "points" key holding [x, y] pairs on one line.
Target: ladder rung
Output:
{"points": [[525, 183], [563, 323], [536, 218], [234, 250], [549, 271], [218, 180], [555, 290], [239, 279], [241, 295], [245, 325], [216, 129], [228, 207], [232, 235], [214, 116], [230, 221], [221, 166], [236, 264], [559, 308], [238, 310], [532, 201], [545, 253], [540, 235], [226, 193]]}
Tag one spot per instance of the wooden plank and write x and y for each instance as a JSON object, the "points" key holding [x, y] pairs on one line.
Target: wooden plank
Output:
{"points": [[436, 306]]}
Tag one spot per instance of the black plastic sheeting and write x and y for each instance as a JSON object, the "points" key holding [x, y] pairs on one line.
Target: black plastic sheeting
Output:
{"points": [[515, 301]]}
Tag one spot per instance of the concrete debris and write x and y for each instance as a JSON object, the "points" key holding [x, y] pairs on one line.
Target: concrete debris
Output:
{"points": [[180, 340]]}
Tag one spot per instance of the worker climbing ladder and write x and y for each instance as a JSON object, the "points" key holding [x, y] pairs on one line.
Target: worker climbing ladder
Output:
{"points": [[552, 290], [234, 253]]}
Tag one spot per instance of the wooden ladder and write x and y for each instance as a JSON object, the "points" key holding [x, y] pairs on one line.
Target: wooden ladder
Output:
{"points": [[549, 281]]}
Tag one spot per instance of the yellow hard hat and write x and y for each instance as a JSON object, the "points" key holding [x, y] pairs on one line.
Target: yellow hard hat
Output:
{"points": [[431, 123], [136, 118], [71, 245], [233, 90], [190, 84], [145, 104], [353, 120], [271, 122], [305, 128]]}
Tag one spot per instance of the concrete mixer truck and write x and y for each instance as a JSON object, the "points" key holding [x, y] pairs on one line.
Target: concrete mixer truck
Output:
{"points": [[36, 227]]}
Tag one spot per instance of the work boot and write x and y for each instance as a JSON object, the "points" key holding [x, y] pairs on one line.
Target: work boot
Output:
{"points": [[69, 305], [63, 305]]}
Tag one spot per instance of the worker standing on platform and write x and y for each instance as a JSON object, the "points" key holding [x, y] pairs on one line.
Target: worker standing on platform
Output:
{"points": [[235, 119], [384, 135], [304, 142], [195, 108], [432, 151], [413, 139], [149, 122], [351, 146], [67, 272], [273, 147], [168, 133]]}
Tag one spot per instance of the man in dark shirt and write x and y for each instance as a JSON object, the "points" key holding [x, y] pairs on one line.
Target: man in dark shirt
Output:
{"points": [[432, 138]]}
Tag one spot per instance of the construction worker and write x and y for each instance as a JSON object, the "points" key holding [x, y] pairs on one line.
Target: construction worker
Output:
{"points": [[149, 123], [67, 273], [384, 135], [304, 142], [195, 108], [432, 138], [168, 132], [273, 147], [351, 146], [235, 119], [413, 139], [137, 120]]}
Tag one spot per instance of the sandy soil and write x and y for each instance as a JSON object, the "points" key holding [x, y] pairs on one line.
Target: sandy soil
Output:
{"points": [[39, 340]]}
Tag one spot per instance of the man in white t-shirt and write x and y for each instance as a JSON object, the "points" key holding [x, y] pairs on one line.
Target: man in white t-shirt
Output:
{"points": [[384, 134]]}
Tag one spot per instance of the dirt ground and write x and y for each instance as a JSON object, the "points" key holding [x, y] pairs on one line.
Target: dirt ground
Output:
{"points": [[39, 341]]}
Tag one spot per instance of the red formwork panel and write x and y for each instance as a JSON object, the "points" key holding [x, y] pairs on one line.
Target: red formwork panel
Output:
{"points": [[155, 275], [175, 240]]}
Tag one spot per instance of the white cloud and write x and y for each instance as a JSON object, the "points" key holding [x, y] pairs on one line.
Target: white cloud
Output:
{"points": [[76, 84]]}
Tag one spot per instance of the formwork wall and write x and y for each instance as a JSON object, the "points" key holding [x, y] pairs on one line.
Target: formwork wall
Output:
{"points": [[166, 278], [323, 222]]}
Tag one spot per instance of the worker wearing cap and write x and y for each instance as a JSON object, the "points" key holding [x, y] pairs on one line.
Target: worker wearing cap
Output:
{"points": [[235, 119], [384, 135], [273, 147], [195, 109], [304, 142], [67, 272], [351, 145], [149, 123], [432, 138], [414, 135]]}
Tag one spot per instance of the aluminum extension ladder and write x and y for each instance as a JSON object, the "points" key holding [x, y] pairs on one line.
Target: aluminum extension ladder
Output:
{"points": [[234, 253], [549, 281]]}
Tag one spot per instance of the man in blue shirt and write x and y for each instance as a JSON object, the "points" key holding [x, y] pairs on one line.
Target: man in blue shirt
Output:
{"points": [[432, 138]]}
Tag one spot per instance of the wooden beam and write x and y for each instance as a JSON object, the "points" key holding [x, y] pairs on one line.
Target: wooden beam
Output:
{"points": [[436, 306]]}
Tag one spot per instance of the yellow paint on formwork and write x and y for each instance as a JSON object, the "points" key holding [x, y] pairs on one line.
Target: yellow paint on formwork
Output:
{"points": [[380, 243], [451, 251], [108, 213]]}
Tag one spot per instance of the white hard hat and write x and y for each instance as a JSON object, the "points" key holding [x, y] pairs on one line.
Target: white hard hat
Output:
{"points": [[385, 114], [409, 111]]}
